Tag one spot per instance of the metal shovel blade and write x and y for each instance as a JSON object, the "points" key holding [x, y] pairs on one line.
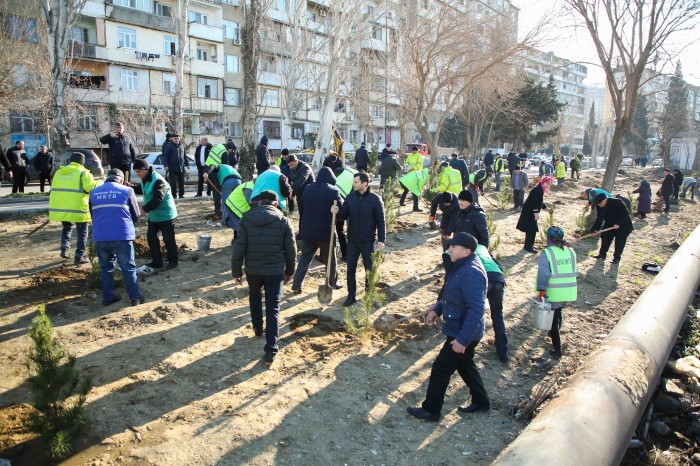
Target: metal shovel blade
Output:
{"points": [[325, 294]]}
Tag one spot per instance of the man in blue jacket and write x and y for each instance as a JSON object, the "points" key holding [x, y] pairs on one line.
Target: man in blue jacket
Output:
{"points": [[364, 212], [462, 305], [114, 211]]}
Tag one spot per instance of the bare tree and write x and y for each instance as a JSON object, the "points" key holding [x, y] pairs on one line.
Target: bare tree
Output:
{"points": [[182, 29], [629, 35]]}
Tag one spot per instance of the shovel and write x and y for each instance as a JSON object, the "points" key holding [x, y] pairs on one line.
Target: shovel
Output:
{"points": [[593, 234], [38, 228], [325, 291]]}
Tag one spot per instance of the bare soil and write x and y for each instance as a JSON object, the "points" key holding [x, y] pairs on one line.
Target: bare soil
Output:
{"points": [[180, 379]]}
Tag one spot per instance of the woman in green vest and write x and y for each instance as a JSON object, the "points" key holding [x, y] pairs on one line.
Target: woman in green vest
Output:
{"points": [[556, 280]]}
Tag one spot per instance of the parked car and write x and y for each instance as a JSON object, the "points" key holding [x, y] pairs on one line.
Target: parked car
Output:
{"points": [[627, 162], [155, 160], [92, 163]]}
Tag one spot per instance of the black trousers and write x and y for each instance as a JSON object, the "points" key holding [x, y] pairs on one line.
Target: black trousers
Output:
{"points": [[606, 240], [43, 178], [530, 238], [167, 229], [342, 240], [403, 198], [177, 184], [578, 175], [556, 326], [518, 197], [355, 250], [676, 190], [495, 296], [444, 366], [200, 182], [18, 176]]}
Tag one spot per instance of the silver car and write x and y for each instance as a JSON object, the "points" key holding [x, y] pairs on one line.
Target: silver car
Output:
{"points": [[155, 160]]}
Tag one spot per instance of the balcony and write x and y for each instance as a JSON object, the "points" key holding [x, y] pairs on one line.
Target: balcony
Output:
{"points": [[87, 51], [373, 44], [94, 9], [207, 68], [204, 31], [141, 18], [207, 105]]}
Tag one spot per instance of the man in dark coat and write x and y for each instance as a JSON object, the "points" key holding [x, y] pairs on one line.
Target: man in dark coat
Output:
{"points": [[461, 166], [614, 214], [385, 153], [362, 158], [15, 163], [334, 162], [43, 163], [513, 161], [262, 156], [315, 227], [121, 150], [527, 222], [488, 162], [677, 182], [461, 303], [448, 204], [265, 243], [644, 199], [470, 219], [364, 212], [200, 157], [389, 168], [302, 175], [174, 157], [666, 190]]}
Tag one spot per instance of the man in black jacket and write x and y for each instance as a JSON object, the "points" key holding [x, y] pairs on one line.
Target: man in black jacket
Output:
{"points": [[667, 189], [448, 204], [385, 153], [121, 150], [488, 162], [461, 166], [364, 212], [677, 182], [200, 157], [334, 162], [174, 157], [301, 176], [513, 161], [389, 168], [265, 243], [470, 219], [43, 163], [362, 158], [613, 213], [262, 156], [15, 164]]}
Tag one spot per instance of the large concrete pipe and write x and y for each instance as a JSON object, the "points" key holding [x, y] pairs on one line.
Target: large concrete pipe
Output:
{"points": [[593, 417]]}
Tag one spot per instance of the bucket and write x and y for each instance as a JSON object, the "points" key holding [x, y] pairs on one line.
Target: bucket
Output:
{"points": [[203, 242], [542, 316]]}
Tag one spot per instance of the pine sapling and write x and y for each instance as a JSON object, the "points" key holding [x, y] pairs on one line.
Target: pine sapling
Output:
{"points": [[505, 195], [584, 221], [635, 204], [430, 188], [549, 221], [494, 239], [373, 159], [391, 206], [59, 389], [357, 317]]}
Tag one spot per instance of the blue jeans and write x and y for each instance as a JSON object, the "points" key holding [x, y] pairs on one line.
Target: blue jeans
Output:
{"points": [[498, 180], [560, 181], [67, 232], [273, 296], [355, 250], [122, 252]]}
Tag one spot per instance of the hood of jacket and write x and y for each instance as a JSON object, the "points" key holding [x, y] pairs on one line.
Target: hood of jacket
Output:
{"points": [[263, 141], [263, 215], [325, 175]]}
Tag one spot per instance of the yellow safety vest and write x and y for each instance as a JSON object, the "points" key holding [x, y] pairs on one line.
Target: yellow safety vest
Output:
{"points": [[69, 200], [449, 180], [560, 170], [237, 201], [414, 162], [215, 154], [562, 283], [499, 166]]}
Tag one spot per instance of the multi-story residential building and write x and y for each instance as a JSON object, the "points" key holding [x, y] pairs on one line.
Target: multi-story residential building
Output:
{"points": [[597, 96]]}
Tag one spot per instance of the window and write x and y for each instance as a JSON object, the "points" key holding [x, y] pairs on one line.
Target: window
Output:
{"points": [[376, 32], [232, 97], [232, 30], [270, 97], [143, 5], [233, 130], [196, 17], [315, 103], [163, 10], [130, 80], [281, 5], [207, 88], [206, 54], [374, 111], [267, 64], [169, 45], [271, 129], [21, 122], [87, 119], [169, 82], [231, 64], [297, 130], [79, 34], [341, 107], [20, 28], [127, 37]]}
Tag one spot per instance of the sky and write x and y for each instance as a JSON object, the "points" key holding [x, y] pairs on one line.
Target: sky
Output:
{"points": [[567, 41]]}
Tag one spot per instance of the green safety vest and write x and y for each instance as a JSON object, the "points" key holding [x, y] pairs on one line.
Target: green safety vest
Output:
{"points": [[69, 199], [414, 181], [215, 154], [484, 255], [562, 283], [238, 201], [450, 180], [344, 181], [166, 210]]}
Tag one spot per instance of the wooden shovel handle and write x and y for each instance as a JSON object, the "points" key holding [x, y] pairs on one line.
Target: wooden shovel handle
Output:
{"points": [[594, 234]]}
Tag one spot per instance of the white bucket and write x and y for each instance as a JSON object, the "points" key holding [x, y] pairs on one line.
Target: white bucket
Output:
{"points": [[542, 316], [203, 242]]}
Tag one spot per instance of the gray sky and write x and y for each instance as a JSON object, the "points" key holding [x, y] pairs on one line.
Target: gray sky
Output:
{"points": [[566, 41]]}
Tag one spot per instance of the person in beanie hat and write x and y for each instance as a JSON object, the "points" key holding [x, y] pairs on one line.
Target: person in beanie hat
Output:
{"points": [[666, 191], [448, 204], [556, 280], [461, 303], [470, 219], [613, 213], [527, 222]]}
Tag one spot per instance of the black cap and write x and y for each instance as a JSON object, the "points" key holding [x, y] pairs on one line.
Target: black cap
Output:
{"points": [[230, 145], [444, 164], [141, 164], [600, 198], [115, 174], [446, 197], [363, 144], [267, 196], [463, 239], [466, 195]]}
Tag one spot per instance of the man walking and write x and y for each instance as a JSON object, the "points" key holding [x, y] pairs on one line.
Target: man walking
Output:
{"points": [[513, 161], [362, 158], [462, 305], [613, 213], [115, 210], [364, 212], [159, 206], [389, 168], [677, 182], [575, 165], [177, 164], [265, 243], [121, 150], [519, 183], [15, 163], [69, 203], [461, 166], [488, 162], [43, 163], [262, 156], [498, 168], [667, 186], [200, 159]]}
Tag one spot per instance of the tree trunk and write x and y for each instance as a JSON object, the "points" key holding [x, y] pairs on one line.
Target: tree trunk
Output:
{"points": [[696, 162], [181, 26], [614, 160], [250, 36]]}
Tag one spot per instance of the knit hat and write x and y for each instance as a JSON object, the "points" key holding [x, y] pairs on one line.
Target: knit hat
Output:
{"points": [[600, 198], [466, 195], [115, 174], [267, 196], [463, 239], [141, 164], [446, 197], [555, 233], [444, 164]]}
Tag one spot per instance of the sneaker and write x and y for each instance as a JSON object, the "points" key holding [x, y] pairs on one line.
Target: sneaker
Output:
{"points": [[337, 286], [420, 413], [111, 301], [81, 260], [171, 265], [65, 254], [140, 300], [349, 301], [474, 408], [402, 204], [269, 359]]}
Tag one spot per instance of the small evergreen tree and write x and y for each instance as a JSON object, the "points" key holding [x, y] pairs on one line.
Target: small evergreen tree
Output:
{"points": [[59, 389], [505, 195], [373, 159], [674, 118], [550, 221], [357, 317], [589, 132], [391, 206], [494, 239]]}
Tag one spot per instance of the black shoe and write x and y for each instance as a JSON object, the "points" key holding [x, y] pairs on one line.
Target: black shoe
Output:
{"points": [[337, 286], [475, 408], [154, 266], [171, 265], [599, 257], [65, 254], [343, 259], [556, 354], [349, 301], [140, 300], [81, 260], [258, 331], [197, 195], [269, 359], [296, 290], [417, 209], [111, 301], [615, 260], [531, 249], [503, 358], [420, 413], [402, 204], [318, 258]]}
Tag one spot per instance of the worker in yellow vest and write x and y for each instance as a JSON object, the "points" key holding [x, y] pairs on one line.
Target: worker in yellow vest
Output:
{"points": [[499, 167], [414, 162], [560, 172], [449, 180], [69, 203], [556, 280]]}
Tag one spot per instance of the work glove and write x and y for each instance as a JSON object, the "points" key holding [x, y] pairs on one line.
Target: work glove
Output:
{"points": [[541, 297], [431, 218]]}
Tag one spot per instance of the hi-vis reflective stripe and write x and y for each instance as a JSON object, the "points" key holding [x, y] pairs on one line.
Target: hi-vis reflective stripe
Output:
{"points": [[70, 211], [66, 190], [107, 205], [555, 268]]}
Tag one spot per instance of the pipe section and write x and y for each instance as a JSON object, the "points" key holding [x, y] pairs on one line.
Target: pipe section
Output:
{"points": [[593, 417]]}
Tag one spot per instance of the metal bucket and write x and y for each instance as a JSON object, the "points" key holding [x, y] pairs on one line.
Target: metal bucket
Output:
{"points": [[542, 316], [203, 242]]}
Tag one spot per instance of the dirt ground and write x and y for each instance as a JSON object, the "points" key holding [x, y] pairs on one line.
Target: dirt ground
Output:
{"points": [[180, 379]]}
